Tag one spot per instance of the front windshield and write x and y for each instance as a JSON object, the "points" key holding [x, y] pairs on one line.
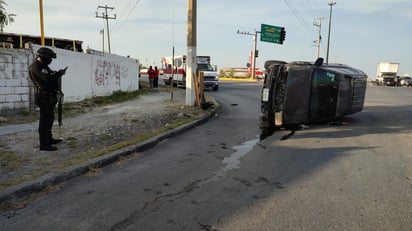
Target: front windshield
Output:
{"points": [[178, 62], [204, 67]]}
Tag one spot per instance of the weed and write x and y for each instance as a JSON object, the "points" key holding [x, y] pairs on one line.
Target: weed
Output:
{"points": [[20, 203], [10, 161], [93, 171]]}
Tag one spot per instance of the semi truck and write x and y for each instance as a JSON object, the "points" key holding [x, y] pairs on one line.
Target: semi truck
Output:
{"points": [[174, 71], [12, 40], [387, 73]]}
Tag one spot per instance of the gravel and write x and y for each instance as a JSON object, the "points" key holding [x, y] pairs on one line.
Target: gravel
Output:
{"points": [[87, 133]]}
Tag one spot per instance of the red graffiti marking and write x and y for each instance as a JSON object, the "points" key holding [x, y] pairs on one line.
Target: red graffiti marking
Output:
{"points": [[107, 71]]}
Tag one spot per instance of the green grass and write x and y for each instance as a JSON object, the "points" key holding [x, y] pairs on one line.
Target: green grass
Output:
{"points": [[75, 108], [109, 149], [115, 97], [10, 161]]}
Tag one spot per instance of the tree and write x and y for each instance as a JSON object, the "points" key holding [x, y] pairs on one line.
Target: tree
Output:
{"points": [[5, 18], [3, 15]]}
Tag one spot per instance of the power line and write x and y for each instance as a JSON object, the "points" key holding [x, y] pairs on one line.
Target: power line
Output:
{"points": [[308, 8], [298, 16], [127, 7], [314, 6], [134, 6], [131, 9]]}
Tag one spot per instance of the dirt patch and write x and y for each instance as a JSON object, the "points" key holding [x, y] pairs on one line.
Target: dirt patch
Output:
{"points": [[92, 134]]}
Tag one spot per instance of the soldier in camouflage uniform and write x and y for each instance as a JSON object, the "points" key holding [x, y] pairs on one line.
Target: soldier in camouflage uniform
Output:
{"points": [[45, 81]]}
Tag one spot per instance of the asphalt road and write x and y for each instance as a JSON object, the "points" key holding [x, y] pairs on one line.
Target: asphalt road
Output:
{"points": [[219, 176]]}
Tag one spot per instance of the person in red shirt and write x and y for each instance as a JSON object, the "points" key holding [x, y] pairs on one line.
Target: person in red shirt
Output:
{"points": [[152, 75], [156, 78]]}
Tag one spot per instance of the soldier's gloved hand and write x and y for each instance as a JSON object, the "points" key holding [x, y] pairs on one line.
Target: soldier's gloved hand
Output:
{"points": [[62, 71]]}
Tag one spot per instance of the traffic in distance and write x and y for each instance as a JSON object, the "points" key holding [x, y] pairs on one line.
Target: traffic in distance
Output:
{"points": [[174, 71], [387, 75]]}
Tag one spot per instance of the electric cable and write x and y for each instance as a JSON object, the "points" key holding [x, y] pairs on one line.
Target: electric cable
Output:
{"points": [[299, 17], [117, 26]]}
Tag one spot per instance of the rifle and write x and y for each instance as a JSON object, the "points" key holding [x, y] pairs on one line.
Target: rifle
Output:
{"points": [[60, 97]]}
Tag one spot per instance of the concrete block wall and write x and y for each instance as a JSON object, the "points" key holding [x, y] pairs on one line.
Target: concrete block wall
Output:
{"points": [[14, 80], [87, 75]]}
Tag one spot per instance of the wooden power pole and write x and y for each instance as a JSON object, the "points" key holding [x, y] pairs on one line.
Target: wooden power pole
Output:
{"points": [[105, 16], [191, 50]]}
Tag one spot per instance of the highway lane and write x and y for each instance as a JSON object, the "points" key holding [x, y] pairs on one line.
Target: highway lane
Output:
{"points": [[219, 176]]}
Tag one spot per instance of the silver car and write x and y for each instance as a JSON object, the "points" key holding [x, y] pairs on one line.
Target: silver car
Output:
{"points": [[406, 81]]}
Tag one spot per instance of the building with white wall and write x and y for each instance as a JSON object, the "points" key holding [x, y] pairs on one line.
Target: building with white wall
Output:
{"points": [[88, 75]]}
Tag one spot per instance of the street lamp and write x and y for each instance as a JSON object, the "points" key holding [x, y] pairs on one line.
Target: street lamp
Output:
{"points": [[330, 22]]}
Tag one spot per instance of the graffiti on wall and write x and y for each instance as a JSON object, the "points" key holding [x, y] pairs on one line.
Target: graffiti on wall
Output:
{"points": [[107, 73]]}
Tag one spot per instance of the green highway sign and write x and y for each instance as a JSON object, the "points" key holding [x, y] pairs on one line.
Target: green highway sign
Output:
{"points": [[272, 34]]}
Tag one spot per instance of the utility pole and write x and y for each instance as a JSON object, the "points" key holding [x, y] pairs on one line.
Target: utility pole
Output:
{"points": [[254, 55], [42, 42], [330, 23], [254, 50], [105, 16], [102, 33], [318, 23], [191, 49]]}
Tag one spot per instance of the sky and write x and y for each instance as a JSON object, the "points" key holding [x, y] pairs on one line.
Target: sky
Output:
{"points": [[363, 33]]}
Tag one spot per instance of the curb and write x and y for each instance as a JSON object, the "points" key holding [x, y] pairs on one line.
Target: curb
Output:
{"points": [[37, 185]]}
